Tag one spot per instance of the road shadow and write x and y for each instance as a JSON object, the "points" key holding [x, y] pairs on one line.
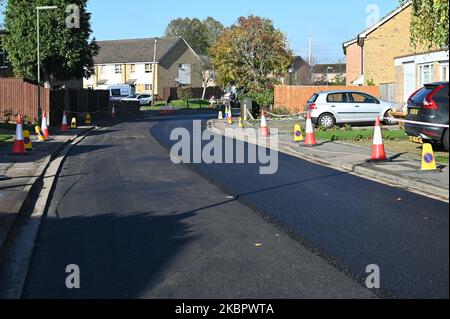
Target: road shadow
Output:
{"points": [[119, 256]]}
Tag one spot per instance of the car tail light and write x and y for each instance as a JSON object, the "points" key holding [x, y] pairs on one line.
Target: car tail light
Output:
{"points": [[428, 102], [313, 106]]}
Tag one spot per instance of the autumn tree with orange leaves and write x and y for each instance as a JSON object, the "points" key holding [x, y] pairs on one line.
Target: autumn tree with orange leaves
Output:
{"points": [[252, 54]]}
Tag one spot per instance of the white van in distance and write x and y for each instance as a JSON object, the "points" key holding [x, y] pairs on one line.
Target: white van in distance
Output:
{"points": [[118, 91]]}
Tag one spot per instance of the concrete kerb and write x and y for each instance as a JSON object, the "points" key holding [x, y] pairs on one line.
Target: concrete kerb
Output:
{"points": [[355, 169], [31, 190], [31, 213]]}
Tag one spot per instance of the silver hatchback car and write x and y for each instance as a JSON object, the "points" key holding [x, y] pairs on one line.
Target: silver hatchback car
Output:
{"points": [[345, 107]]}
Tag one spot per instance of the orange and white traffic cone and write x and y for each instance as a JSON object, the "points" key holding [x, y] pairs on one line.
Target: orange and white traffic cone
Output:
{"points": [[64, 125], [230, 117], [378, 151], [44, 126], [19, 145], [310, 139], [113, 112], [264, 127]]}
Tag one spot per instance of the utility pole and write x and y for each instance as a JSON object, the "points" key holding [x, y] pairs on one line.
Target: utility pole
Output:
{"points": [[154, 71], [310, 46], [310, 55]]}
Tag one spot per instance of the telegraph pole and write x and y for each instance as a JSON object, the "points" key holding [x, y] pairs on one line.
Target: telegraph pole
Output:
{"points": [[310, 55], [154, 71]]}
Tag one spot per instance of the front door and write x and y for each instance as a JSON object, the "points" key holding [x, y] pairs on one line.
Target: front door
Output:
{"points": [[409, 80]]}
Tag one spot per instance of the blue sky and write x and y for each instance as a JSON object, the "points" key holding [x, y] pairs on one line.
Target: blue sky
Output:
{"points": [[332, 22]]}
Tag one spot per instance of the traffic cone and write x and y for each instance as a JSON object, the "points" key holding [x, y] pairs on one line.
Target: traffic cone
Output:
{"points": [[27, 140], [428, 158], [38, 131], [64, 125], [220, 115], [88, 119], [44, 126], [298, 134], [378, 152], [241, 125], [73, 124], [230, 117], [113, 112], [264, 127], [310, 138], [19, 146]]}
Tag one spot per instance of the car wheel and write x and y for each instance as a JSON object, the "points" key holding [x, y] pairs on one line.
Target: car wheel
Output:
{"points": [[327, 120], [445, 140], [388, 122]]}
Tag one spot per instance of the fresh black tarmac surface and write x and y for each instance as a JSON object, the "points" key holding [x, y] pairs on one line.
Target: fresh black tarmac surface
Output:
{"points": [[351, 221], [139, 226]]}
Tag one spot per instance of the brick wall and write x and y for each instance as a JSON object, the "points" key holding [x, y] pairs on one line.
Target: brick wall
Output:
{"points": [[168, 67], [384, 44], [354, 55]]}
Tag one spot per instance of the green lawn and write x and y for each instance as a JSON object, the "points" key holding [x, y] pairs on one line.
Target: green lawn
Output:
{"points": [[194, 104], [4, 137], [358, 135]]}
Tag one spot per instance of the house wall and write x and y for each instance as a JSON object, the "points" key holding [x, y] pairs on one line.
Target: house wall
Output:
{"points": [[384, 44], [354, 56], [107, 72], [168, 67], [437, 59]]}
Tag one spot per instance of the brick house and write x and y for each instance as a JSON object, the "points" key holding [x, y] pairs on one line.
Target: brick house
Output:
{"points": [[375, 55], [131, 62], [353, 52], [299, 72], [323, 74]]}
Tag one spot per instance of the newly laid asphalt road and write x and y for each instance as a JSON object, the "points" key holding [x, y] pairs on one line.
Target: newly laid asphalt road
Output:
{"points": [[140, 226]]}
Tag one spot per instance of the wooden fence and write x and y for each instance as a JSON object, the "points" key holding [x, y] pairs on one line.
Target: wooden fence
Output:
{"points": [[294, 98], [19, 96]]}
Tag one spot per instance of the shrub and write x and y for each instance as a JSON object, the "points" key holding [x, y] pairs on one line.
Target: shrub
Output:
{"points": [[185, 93], [281, 110], [264, 98]]}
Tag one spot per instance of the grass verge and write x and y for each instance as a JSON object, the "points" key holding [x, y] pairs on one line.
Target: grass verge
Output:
{"points": [[194, 104]]}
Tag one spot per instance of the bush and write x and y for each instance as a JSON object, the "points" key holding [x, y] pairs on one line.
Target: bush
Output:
{"points": [[281, 110], [264, 98], [184, 93]]}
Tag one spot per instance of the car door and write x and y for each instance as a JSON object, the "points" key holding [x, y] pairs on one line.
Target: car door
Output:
{"points": [[366, 107], [341, 106]]}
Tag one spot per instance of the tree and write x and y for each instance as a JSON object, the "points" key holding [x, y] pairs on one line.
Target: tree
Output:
{"points": [[66, 51], [252, 54], [207, 74], [200, 35], [215, 28], [429, 23], [185, 93]]}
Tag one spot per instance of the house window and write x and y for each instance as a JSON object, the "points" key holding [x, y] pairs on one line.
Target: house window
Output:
{"points": [[444, 71], [426, 74], [148, 68], [133, 68], [148, 87], [103, 69], [118, 68]]}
